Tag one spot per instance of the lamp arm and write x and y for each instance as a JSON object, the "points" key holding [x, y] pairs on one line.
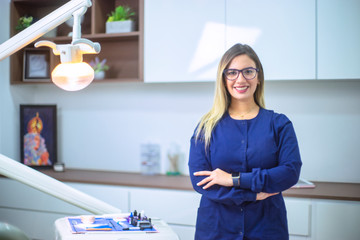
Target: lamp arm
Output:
{"points": [[77, 23], [41, 27], [24, 174], [45, 43]]}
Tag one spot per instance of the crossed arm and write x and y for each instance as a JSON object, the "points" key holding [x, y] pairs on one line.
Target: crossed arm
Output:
{"points": [[222, 178]]}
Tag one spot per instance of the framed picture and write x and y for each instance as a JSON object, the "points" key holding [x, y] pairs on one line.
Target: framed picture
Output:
{"points": [[38, 132], [36, 65]]}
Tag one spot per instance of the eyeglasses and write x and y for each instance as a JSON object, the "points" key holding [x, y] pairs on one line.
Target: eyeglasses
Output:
{"points": [[248, 73]]}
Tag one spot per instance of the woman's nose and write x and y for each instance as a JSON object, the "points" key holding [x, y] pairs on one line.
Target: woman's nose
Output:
{"points": [[240, 78]]}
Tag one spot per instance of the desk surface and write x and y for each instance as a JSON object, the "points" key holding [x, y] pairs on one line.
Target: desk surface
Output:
{"points": [[323, 190], [63, 232]]}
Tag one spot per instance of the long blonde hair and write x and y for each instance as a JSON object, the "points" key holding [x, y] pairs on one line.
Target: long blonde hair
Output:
{"points": [[222, 97]]}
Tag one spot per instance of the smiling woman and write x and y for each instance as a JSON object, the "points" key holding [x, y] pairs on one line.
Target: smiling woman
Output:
{"points": [[242, 156]]}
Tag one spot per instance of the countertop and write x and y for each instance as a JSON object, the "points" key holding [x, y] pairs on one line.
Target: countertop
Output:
{"points": [[323, 190]]}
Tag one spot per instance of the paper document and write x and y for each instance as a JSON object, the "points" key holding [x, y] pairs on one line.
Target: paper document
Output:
{"points": [[302, 183]]}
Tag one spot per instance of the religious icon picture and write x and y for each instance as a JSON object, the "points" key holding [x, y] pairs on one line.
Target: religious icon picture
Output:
{"points": [[38, 135]]}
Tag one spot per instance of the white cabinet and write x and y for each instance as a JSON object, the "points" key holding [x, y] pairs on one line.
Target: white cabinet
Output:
{"points": [[338, 39], [183, 40], [336, 220], [295, 40], [185, 43], [320, 219], [281, 32], [299, 216]]}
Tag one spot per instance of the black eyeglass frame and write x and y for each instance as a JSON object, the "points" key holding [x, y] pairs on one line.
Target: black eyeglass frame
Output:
{"points": [[240, 71]]}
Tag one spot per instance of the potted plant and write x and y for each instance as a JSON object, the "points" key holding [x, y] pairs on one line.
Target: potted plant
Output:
{"points": [[23, 23], [99, 68], [26, 21], [120, 20]]}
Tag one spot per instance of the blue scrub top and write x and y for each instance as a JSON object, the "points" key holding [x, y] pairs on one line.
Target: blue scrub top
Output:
{"points": [[266, 153]]}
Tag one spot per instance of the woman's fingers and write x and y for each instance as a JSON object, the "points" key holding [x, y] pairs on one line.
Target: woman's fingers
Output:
{"points": [[202, 173], [264, 195], [204, 181], [217, 176]]}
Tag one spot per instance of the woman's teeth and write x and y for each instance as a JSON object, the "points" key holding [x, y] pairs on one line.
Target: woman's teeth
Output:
{"points": [[241, 88]]}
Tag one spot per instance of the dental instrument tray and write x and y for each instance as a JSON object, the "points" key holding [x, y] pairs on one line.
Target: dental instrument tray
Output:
{"points": [[132, 222]]}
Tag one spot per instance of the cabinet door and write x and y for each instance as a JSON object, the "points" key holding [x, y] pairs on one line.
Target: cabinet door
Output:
{"points": [[281, 32], [336, 220], [183, 40], [338, 39], [299, 216]]}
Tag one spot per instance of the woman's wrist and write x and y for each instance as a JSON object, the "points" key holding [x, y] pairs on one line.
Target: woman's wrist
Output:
{"points": [[236, 179]]}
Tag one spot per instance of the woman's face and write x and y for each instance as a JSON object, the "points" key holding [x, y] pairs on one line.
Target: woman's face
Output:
{"points": [[242, 89]]}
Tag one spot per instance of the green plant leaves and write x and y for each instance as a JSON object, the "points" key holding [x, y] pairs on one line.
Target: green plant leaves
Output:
{"points": [[122, 13]]}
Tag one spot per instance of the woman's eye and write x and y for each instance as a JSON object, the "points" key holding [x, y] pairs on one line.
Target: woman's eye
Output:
{"points": [[248, 71]]}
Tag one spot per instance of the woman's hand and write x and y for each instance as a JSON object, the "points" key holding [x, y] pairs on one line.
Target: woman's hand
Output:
{"points": [[217, 176], [264, 195]]}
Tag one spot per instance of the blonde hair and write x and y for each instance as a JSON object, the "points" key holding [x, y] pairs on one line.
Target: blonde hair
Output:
{"points": [[222, 97]]}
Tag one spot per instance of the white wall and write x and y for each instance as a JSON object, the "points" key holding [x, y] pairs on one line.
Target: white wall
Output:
{"points": [[103, 126]]}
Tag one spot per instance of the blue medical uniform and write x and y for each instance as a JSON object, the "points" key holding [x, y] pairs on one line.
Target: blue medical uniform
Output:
{"points": [[266, 153]]}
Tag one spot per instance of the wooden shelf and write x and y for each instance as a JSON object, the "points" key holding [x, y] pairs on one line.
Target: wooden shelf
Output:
{"points": [[112, 80], [104, 37], [96, 81], [322, 190], [123, 51]]}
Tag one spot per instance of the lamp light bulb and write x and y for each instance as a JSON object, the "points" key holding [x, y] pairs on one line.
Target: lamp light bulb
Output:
{"points": [[72, 76]]}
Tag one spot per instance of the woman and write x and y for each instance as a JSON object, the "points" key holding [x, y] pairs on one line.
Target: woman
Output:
{"points": [[242, 156]]}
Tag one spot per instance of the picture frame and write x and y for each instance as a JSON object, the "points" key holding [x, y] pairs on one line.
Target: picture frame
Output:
{"points": [[36, 65], [38, 135]]}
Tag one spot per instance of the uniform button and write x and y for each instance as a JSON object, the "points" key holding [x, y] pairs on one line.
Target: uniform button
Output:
{"points": [[241, 209], [242, 141], [240, 233]]}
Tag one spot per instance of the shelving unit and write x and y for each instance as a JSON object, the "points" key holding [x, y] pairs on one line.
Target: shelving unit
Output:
{"points": [[123, 51]]}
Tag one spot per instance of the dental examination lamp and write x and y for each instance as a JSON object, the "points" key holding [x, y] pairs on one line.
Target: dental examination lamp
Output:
{"points": [[72, 73]]}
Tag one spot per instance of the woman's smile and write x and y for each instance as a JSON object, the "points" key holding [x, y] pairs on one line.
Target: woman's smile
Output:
{"points": [[241, 89]]}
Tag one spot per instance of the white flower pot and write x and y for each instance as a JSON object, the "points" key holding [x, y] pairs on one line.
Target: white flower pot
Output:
{"points": [[99, 75], [120, 26]]}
